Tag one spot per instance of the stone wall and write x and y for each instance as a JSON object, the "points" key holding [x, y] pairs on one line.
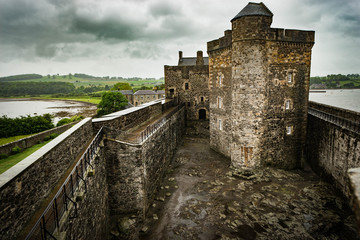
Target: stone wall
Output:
{"points": [[26, 185], [157, 152], [195, 95], [130, 117], [125, 177], [135, 170], [331, 149], [32, 140], [92, 220]]}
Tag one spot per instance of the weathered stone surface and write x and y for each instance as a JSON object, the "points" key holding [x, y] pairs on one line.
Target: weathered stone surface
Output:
{"points": [[252, 102], [26, 185], [332, 150], [277, 204], [92, 221], [135, 171], [128, 118], [189, 84]]}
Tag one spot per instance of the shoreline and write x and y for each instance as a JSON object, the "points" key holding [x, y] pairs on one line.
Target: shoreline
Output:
{"points": [[45, 99]]}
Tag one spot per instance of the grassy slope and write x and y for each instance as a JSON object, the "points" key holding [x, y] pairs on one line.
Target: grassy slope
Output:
{"points": [[13, 139], [10, 161]]}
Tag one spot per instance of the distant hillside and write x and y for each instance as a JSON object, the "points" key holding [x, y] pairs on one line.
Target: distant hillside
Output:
{"points": [[335, 81], [82, 84], [20, 77]]}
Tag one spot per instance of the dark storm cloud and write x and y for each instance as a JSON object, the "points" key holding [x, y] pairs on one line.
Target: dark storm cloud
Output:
{"points": [[336, 16], [43, 25], [107, 28]]}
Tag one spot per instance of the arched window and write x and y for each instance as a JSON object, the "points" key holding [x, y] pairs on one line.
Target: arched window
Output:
{"points": [[202, 114]]}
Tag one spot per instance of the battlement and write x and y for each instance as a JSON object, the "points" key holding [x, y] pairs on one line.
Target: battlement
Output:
{"points": [[220, 43], [291, 35]]}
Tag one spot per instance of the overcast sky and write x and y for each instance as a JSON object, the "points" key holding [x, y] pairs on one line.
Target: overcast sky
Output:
{"points": [[138, 37]]}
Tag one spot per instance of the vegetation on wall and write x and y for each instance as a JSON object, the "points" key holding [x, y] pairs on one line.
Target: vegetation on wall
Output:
{"points": [[24, 125], [111, 102]]}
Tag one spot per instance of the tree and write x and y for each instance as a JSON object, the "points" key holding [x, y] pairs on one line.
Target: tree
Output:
{"points": [[121, 86], [111, 102]]}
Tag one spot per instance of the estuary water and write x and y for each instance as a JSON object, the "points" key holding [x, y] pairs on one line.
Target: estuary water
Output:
{"points": [[22, 107], [342, 98]]}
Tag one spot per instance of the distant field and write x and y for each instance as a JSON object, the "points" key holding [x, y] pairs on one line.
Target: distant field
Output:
{"points": [[94, 100], [98, 82]]}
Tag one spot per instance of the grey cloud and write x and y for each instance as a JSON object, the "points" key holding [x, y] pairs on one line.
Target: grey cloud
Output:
{"points": [[337, 16], [164, 9], [107, 28]]}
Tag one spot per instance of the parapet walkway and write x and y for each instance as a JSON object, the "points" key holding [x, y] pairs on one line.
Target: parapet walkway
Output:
{"points": [[134, 135], [202, 198]]}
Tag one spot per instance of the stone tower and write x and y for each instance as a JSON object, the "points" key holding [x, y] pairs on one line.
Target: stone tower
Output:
{"points": [[259, 85], [188, 82]]}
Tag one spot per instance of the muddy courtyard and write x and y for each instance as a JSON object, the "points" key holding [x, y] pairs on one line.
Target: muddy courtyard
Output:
{"points": [[202, 198]]}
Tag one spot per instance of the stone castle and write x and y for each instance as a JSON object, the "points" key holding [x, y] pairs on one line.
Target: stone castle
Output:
{"points": [[253, 88], [103, 177]]}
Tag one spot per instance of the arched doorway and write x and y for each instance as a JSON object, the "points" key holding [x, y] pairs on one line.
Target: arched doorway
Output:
{"points": [[202, 114]]}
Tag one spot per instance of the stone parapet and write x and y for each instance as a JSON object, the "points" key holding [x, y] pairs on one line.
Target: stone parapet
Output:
{"points": [[25, 186]]}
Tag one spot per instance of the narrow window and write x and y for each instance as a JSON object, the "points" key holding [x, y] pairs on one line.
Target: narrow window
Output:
{"points": [[220, 124], [189, 104], [202, 99], [288, 130], [220, 79], [287, 104], [219, 102], [290, 77], [186, 86]]}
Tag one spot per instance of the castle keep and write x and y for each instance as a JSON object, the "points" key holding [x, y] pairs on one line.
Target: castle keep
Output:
{"points": [[258, 87]]}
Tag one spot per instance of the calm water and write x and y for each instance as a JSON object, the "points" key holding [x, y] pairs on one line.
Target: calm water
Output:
{"points": [[348, 98], [15, 108]]}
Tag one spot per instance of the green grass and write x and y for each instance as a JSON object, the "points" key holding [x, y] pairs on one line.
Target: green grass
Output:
{"points": [[13, 139], [87, 99], [10, 161]]}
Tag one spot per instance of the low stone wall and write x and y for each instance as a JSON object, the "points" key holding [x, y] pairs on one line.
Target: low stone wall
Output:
{"points": [[333, 144], [32, 140], [27, 184], [340, 112], [130, 117], [135, 170]]}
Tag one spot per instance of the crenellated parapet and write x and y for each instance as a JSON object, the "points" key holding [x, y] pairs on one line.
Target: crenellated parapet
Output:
{"points": [[291, 35], [223, 42]]}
